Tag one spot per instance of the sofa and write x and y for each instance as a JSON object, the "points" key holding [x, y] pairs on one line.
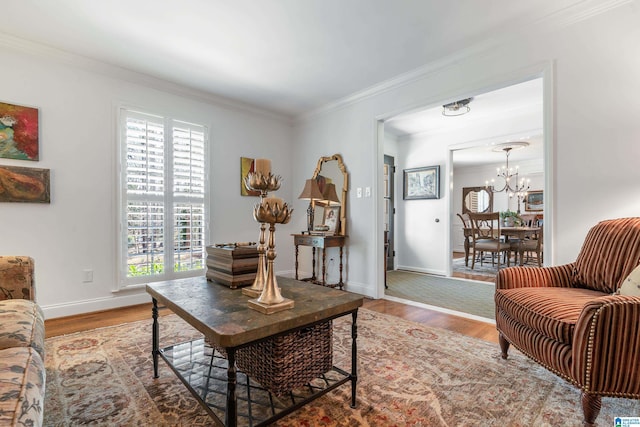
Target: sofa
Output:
{"points": [[577, 319], [22, 370]]}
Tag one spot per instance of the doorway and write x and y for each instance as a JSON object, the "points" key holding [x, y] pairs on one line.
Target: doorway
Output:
{"points": [[508, 115]]}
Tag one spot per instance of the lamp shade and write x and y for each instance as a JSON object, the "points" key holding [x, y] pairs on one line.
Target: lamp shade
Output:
{"points": [[330, 197], [310, 191]]}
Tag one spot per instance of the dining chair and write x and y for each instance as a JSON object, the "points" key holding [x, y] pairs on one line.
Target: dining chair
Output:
{"points": [[466, 224], [486, 237], [533, 244]]}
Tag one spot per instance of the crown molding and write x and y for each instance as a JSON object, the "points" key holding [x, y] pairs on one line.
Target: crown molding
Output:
{"points": [[554, 21], [88, 64]]}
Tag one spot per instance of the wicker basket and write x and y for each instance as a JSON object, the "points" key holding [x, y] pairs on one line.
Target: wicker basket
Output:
{"points": [[289, 361]]}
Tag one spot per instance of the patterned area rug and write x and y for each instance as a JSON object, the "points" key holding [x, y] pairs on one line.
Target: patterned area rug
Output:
{"points": [[409, 375], [486, 269]]}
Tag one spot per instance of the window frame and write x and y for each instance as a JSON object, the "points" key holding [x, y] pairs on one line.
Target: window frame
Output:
{"points": [[168, 199]]}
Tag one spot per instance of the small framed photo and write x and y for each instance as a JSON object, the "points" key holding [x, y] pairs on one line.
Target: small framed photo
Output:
{"points": [[331, 218], [422, 183], [534, 201]]}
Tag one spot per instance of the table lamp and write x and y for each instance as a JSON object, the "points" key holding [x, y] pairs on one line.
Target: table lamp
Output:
{"points": [[330, 197], [310, 192]]}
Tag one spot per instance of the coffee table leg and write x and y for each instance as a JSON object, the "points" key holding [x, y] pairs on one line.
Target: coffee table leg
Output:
{"points": [[155, 338], [231, 413], [354, 358]]}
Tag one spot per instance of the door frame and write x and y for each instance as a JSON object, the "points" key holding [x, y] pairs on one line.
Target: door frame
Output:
{"points": [[544, 70]]}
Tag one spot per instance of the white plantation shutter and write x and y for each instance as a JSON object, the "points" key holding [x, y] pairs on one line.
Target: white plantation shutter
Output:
{"points": [[188, 196], [163, 196]]}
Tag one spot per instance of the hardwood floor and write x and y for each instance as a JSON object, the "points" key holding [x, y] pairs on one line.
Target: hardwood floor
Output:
{"points": [[472, 328]]}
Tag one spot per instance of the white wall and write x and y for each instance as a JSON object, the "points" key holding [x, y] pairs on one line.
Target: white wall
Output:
{"points": [[590, 65], [476, 176], [78, 142]]}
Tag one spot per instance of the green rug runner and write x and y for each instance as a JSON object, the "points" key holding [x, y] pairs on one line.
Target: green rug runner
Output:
{"points": [[466, 296]]}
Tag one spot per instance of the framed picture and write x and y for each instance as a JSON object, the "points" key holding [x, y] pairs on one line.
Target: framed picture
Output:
{"points": [[422, 183], [331, 218], [246, 165], [534, 201], [27, 185], [18, 132]]}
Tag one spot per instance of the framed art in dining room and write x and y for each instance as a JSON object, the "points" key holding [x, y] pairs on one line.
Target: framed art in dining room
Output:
{"points": [[534, 201], [422, 183]]}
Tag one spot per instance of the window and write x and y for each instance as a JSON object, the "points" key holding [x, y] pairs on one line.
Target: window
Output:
{"points": [[163, 198]]}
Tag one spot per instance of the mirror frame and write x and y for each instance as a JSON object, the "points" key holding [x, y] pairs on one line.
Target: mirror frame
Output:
{"points": [[345, 188], [467, 190]]}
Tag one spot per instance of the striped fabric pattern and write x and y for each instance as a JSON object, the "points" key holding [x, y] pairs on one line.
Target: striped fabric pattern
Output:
{"points": [[551, 312], [607, 346], [568, 319], [610, 252], [522, 277], [553, 355]]}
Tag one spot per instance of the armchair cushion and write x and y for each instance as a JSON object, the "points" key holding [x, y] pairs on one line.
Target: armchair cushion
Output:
{"points": [[551, 312], [609, 253]]}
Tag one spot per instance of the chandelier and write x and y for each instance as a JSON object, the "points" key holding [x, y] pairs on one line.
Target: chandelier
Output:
{"points": [[457, 108], [513, 185]]}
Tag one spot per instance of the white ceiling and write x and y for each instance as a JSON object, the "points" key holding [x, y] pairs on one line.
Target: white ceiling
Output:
{"points": [[288, 56], [517, 108]]}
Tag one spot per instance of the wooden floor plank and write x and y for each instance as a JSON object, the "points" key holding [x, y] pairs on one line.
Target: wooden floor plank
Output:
{"points": [[469, 327], [82, 322]]}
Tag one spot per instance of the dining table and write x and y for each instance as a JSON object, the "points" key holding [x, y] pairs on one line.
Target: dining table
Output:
{"points": [[513, 234]]}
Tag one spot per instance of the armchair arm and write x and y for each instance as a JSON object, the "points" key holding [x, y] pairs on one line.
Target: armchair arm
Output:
{"points": [[535, 277], [606, 346], [16, 277]]}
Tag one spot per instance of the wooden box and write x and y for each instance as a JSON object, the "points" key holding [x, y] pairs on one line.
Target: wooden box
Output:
{"points": [[232, 266]]}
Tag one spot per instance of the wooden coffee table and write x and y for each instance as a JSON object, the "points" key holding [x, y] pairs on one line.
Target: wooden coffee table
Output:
{"points": [[223, 317]]}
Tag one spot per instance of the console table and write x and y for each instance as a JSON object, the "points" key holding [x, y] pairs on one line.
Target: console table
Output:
{"points": [[222, 315], [321, 243]]}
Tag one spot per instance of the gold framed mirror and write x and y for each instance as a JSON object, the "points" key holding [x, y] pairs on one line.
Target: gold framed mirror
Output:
{"points": [[331, 170], [477, 199]]}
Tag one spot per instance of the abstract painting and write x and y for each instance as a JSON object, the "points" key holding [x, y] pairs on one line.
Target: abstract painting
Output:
{"points": [[27, 185], [18, 132]]}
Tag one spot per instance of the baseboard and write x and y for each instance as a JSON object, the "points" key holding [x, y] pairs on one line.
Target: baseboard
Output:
{"points": [[422, 270], [140, 296], [53, 311], [441, 309]]}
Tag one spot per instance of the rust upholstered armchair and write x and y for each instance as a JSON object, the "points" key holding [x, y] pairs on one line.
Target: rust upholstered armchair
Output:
{"points": [[571, 320]]}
